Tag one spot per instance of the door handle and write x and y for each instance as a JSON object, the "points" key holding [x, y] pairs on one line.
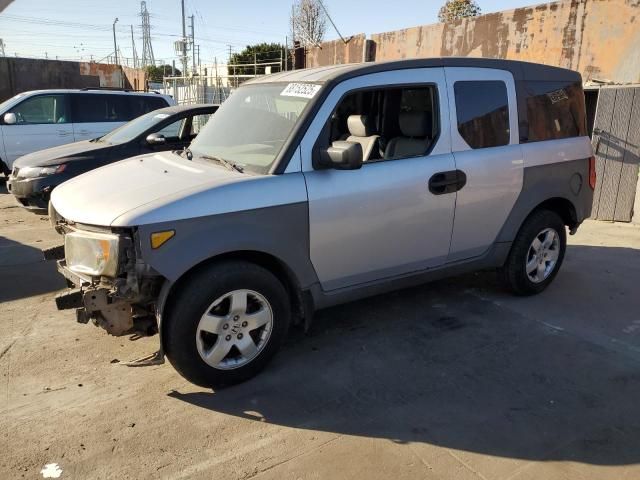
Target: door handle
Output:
{"points": [[63, 133], [447, 182]]}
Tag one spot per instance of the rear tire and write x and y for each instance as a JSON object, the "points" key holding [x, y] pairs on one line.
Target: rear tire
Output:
{"points": [[225, 323], [536, 254]]}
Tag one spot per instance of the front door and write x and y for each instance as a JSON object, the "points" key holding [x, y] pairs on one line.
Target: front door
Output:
{"points": [[390, 217], [42, 122]]}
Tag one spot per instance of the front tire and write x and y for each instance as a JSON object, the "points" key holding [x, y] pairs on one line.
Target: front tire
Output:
{"points": [[225, 323], [536, 254]]}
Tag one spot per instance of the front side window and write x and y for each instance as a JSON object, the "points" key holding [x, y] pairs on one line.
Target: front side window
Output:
{"points": [[172, 131], [198, 122], [42, 109], [482, 108], [251, 126], [99, 108], [388, 123], [555, 110]]}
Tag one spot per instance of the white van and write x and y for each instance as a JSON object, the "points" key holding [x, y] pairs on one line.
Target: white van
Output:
{"points": [[40, 119]]}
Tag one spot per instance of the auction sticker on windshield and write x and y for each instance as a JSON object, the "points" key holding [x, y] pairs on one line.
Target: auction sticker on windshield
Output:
{"points": [[305, 90]]}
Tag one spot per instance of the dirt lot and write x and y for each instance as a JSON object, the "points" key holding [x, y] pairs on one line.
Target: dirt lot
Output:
{"points": [[450, 380]]}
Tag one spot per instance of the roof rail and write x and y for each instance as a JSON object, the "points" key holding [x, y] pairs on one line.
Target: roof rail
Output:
{"points": [[117, 89], [105, 88]]}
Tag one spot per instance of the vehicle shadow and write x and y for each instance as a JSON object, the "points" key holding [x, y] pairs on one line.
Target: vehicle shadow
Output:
{"points": [[24, 272], [445, 365]]}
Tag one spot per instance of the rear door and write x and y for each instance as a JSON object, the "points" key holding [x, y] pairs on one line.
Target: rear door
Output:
{"points": [[95, 114], [485, 145], [42, 122]]}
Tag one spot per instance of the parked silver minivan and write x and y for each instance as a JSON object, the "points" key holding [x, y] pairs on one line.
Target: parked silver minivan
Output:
{"points": [[315, 187]]}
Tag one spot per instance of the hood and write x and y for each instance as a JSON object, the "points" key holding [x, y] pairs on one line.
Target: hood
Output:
{"points": [[100, 196], [63, 154]]}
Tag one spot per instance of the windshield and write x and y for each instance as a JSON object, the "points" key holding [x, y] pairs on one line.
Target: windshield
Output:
{"points": [[134, 128], [250, 127]]}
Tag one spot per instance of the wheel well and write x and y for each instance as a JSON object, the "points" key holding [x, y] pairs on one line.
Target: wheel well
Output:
{"points": [[265, 260], [562, 207]]}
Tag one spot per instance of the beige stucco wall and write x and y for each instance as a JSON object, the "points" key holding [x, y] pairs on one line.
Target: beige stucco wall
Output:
{"points": [[599, 38]]}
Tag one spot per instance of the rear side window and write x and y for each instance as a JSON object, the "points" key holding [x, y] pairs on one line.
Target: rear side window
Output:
{"points": [[98, 108], [555, 110], [139, 104], [482, 108]]}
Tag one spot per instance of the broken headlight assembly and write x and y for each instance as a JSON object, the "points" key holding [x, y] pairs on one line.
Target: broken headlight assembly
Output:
{"points": [[93, 254]]}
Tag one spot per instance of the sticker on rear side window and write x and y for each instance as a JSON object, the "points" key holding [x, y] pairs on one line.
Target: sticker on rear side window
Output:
{"points": [[305, 90]]}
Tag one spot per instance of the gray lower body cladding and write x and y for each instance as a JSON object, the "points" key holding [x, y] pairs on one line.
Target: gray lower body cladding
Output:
{"points": [[567, 181], [280, 232]]}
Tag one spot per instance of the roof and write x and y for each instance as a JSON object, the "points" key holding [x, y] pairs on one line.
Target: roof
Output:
{"points": [[520, 70], [173, 109]]}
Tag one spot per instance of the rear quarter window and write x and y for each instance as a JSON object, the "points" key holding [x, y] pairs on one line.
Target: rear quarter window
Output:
{"points": [[482, 109], [141, 104], [555, 110]]}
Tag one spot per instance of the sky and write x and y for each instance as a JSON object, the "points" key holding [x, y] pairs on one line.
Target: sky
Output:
{"points": [[82, 29]]}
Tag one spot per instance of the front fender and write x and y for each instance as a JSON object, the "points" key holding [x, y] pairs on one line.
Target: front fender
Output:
{"points": [[280, 231]]}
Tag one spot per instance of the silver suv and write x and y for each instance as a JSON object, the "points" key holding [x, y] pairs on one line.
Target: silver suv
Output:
{"points": [[317, 187]]}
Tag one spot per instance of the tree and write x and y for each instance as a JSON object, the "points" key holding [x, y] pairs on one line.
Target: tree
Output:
{"points": [[261, 52], [308, 22], [456, 9], [156, 72]]}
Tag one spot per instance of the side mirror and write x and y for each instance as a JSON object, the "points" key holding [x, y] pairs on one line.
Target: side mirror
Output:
{"points": [[341, 156], [10, 118], [156, 139]]}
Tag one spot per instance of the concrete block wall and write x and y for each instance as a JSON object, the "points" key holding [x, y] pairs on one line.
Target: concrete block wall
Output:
{"points": [[24, 74]]}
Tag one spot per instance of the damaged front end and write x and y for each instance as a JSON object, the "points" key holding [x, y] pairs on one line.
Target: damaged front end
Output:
{"points": [[108, 283]]}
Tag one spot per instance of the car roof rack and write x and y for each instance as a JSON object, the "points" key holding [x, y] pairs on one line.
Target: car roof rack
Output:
{"points": [[117, 89]]}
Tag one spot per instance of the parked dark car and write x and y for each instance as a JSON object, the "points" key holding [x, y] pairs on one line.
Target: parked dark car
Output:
{"points": [[35, 175]]}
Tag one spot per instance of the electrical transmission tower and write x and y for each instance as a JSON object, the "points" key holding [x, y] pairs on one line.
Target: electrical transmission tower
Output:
{"points": [[147, 48]]}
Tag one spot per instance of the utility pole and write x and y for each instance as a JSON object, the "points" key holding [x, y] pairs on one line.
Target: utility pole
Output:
{"points": [[133, 49], [293, 36], [235, 80], [115, 45], [193, 47], [184, 42]]}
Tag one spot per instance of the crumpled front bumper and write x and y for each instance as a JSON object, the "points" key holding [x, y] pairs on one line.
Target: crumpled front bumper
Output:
{"points": [[99, 303]]}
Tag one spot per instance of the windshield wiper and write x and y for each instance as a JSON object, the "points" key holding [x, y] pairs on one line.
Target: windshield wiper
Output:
{"points": [[226, 163]]}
